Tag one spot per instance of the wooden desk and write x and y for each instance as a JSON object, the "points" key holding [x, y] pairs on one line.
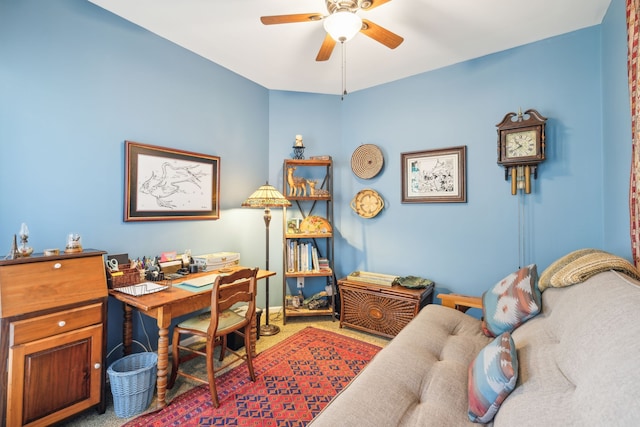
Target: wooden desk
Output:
{"points": [[165, 306]]}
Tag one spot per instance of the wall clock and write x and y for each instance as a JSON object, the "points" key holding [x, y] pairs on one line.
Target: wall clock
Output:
{"points": [[521, 147]]}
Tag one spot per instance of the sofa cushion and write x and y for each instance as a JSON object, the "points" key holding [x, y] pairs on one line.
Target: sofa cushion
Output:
{"points": [[511, 302], [418, 379], [492, 376], [578, 358], [577, 366], [578, 266]]}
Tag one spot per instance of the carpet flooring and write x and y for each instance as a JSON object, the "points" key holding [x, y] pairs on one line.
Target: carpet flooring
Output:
{"points": [[109, 419]]}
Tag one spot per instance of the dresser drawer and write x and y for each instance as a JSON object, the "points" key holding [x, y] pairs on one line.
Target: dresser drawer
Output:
{"points": [[25, 288], [24, 331]]}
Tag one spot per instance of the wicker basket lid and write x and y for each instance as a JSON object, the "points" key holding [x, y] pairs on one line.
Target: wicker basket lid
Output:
{"points": [[367, 203], [367, 161]]}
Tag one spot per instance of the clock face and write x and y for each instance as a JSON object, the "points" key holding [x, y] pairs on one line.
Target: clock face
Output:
{"points": [[520, 144]]}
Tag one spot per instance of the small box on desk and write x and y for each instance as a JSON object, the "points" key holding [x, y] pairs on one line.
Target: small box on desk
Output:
{"points": [[125, 276], [217, 260]]}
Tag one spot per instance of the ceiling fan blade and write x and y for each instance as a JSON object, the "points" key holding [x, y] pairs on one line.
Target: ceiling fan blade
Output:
{"points": [[326, 49], [379, 34], [375, 3], [287, 19]]}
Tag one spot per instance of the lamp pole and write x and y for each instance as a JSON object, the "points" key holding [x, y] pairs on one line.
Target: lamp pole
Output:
{"points": [[266, 197], [267, 329]]}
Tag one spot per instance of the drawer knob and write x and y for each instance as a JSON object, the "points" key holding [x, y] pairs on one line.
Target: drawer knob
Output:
{"points": [[97, 366], [57, 265], [62, 323]]}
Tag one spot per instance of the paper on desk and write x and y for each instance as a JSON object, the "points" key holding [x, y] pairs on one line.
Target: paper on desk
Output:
{"points": [[142, 289]]}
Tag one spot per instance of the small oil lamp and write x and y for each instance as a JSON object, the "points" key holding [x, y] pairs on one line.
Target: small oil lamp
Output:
{"points": [[24, 250]]}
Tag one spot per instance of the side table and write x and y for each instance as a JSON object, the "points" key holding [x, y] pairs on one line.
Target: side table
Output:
{"points": [[380, 310]]}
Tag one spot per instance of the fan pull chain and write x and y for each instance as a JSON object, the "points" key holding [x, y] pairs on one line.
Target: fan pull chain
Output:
{"points": [[344, 70]]}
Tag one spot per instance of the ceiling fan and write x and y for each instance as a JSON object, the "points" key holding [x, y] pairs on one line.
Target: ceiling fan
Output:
{"points": [[341, 12]]}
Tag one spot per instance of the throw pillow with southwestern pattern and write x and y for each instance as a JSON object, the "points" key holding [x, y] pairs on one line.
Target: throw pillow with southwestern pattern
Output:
{"points": [[492, 376], [511, 302]]}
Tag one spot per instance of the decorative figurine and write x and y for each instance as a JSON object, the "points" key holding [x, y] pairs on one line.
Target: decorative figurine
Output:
{"points": [[316, 192], [298, 148], [297, 185], [13, 253], [73, 243]]}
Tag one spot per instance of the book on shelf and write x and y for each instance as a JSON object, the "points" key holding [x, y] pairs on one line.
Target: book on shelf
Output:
{"points": [[303, 257], [314, 258]]}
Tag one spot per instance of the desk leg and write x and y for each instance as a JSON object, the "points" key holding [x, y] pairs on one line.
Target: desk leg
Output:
{"points": [[163, 364], [127, 329], [164, 321]]}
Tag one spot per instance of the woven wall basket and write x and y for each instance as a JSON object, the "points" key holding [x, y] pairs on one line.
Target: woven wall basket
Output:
{"points": [[367, 203], [367, 161]]}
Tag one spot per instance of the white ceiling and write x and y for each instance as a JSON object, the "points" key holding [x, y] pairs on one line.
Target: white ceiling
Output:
{"points": [[436, 33]]}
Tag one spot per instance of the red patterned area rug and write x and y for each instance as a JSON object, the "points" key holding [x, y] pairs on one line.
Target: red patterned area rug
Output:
{"points": [[296, 378]]}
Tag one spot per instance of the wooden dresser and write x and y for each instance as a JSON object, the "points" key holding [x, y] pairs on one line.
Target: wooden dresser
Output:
{"points": [[52, 337], [381, 310]]}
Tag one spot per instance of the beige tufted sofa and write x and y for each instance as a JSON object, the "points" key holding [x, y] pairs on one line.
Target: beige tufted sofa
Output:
{"points": [[579, 365]]}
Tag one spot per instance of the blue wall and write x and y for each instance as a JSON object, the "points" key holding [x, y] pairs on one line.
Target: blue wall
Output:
{"points": [[76, 81], [468, 247], [616, 131]]}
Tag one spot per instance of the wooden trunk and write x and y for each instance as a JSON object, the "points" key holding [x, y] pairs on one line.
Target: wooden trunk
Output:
{"points": [[381, 310]]}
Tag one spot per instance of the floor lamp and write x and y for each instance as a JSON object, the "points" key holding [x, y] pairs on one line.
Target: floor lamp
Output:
{"points": [[267, 197]]}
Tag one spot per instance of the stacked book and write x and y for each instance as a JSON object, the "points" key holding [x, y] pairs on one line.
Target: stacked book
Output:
{"points": [[217, 260], [373, 278], [323, 264]]}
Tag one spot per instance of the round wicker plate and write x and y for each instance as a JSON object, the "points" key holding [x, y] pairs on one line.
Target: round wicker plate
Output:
{"points": [[367, 161], [367, 203]]}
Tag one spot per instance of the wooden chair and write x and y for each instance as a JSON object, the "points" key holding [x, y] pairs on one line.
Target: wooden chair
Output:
{"points": [[228, 290]]}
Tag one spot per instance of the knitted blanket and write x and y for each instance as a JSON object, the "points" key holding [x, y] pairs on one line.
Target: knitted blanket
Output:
{"points": [[578, 266]]}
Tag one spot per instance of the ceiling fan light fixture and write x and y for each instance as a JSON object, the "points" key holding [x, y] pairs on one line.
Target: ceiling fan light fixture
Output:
{"points": [[342, 25]]}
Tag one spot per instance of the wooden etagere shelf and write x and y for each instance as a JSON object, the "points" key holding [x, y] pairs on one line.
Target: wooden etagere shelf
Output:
{"points": [[308, 250], [309, 273], [308, 162], [308, 235], [298, 312]]}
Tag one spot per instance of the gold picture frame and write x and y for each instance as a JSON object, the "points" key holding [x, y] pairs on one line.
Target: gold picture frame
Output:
{"points": [[163, 184]]}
